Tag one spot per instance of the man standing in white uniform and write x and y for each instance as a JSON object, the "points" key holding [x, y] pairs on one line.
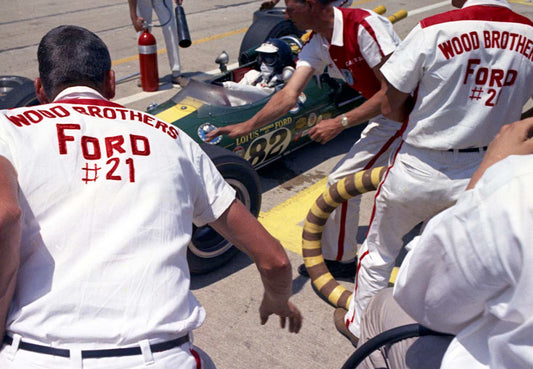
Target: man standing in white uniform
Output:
{"points": [[103, 205], [141, 11], [353, 44], [470, 71], [469, 272]]}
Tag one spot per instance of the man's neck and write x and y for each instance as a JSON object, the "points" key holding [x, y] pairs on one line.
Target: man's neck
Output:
{"points": [[324, 23]]}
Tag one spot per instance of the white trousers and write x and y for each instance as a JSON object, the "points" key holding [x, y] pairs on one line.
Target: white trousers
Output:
{"points": [[378, 140], [382, 314], [179, 357], [165, 12], [419, 184]]}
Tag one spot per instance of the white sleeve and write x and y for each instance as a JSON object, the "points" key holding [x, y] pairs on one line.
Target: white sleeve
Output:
{"points": [[310, 56], [466, 256], [211, 194], [5, 151], [376, 38], [405, 67]]}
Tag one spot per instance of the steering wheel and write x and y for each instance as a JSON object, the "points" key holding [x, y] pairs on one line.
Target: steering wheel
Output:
{"points": [[388, 337]]}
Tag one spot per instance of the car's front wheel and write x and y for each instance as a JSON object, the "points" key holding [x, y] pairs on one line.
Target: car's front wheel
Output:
{"points": [[16, 91], [208, 250]]}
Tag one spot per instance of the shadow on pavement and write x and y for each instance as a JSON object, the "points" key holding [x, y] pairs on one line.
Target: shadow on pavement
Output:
{"points": [[240, 261]]}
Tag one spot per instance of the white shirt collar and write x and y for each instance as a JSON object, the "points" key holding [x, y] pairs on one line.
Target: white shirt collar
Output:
{"points": [[337, 37], [487, 2], [79, 92]]}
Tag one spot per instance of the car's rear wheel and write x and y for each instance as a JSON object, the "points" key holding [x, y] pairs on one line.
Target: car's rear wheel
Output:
{"points": [[267, 24], [16, 91], [208, 250]]}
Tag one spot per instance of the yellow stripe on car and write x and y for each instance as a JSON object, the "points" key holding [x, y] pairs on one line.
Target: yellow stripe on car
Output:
{"points": [[185, 107]]}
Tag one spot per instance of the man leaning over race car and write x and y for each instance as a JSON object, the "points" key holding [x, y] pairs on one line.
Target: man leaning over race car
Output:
{"points": [[363, 40], [103, 278]]}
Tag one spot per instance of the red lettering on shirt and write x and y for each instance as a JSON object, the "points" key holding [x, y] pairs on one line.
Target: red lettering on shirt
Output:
{"points": [[135, 140], [62, 138]]}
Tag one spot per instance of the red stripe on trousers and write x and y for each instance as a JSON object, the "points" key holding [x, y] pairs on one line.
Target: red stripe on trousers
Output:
{"points": [[344, 206]]}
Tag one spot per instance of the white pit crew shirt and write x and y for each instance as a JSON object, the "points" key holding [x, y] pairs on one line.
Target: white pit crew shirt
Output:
{"points": [[109, 196], [469, 273], [485, 59]]}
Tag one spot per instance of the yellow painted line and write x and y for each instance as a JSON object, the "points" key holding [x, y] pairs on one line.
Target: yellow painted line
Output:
{"points": [[523, 2], [285, 221], [201, 41]]}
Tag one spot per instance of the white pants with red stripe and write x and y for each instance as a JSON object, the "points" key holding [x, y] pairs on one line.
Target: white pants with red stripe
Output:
{"points": [[165, 12], [420, 184], [378, 140], [185, 356]]}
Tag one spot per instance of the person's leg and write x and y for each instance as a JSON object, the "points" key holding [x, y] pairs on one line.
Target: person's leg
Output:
{"points": [[383, 314], [378, 140], [416, 187], [339, 238], [165, 12]]}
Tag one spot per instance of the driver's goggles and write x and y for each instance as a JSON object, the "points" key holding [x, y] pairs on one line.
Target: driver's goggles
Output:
{"points": [[268, 58]]}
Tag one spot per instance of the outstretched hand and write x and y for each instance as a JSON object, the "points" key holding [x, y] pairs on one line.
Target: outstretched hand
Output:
{"points": [[325, 131], [513, 139], [286, 310], [233, 130]]}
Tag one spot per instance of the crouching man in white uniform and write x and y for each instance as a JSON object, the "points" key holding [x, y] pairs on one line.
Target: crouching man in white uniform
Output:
{"points": [[469, 273], [100, 210]]}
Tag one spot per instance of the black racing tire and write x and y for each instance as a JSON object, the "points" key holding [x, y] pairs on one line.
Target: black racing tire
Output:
{"points": [[208, 250], [388, 337], [267, 24], [16, 91]]}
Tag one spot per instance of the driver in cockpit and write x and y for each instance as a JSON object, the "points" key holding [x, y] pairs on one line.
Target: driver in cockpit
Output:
{"points": [[276, 67]]}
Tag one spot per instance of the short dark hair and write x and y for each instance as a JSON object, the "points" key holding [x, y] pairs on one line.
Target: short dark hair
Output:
{"points": [[323, 2], [72, 56]]}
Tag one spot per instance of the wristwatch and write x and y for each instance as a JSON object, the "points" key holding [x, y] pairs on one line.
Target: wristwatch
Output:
{"points": [[344, 121]]}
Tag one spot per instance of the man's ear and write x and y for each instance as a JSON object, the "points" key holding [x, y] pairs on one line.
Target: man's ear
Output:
{"points": [[39, 91], [109, 85]]}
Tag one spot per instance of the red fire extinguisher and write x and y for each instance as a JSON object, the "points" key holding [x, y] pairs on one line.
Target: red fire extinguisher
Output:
{"points": [[148, 61]]}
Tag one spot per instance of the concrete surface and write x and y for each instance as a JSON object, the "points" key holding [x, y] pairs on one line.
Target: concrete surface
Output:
{"points": [[231, 334]]}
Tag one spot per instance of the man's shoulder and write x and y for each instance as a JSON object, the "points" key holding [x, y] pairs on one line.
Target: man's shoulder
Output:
{"points": [[356, 14], [476, 13], [500, 176]]}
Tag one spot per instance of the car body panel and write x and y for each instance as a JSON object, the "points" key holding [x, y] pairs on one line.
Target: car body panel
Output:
{"points": [[203, 104]]}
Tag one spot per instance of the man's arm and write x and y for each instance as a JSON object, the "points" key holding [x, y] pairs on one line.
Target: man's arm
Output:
{"points": [[10, 230], [239, 227], [279, 105], [328, 129], [395, 105], [135, 19]]}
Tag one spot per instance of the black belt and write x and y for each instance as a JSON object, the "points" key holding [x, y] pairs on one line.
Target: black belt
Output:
{"points": [[471, 149], [94, 354]]}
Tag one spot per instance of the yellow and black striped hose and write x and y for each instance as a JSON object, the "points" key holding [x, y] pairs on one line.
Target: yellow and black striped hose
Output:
{"points": [[348, 187]]}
